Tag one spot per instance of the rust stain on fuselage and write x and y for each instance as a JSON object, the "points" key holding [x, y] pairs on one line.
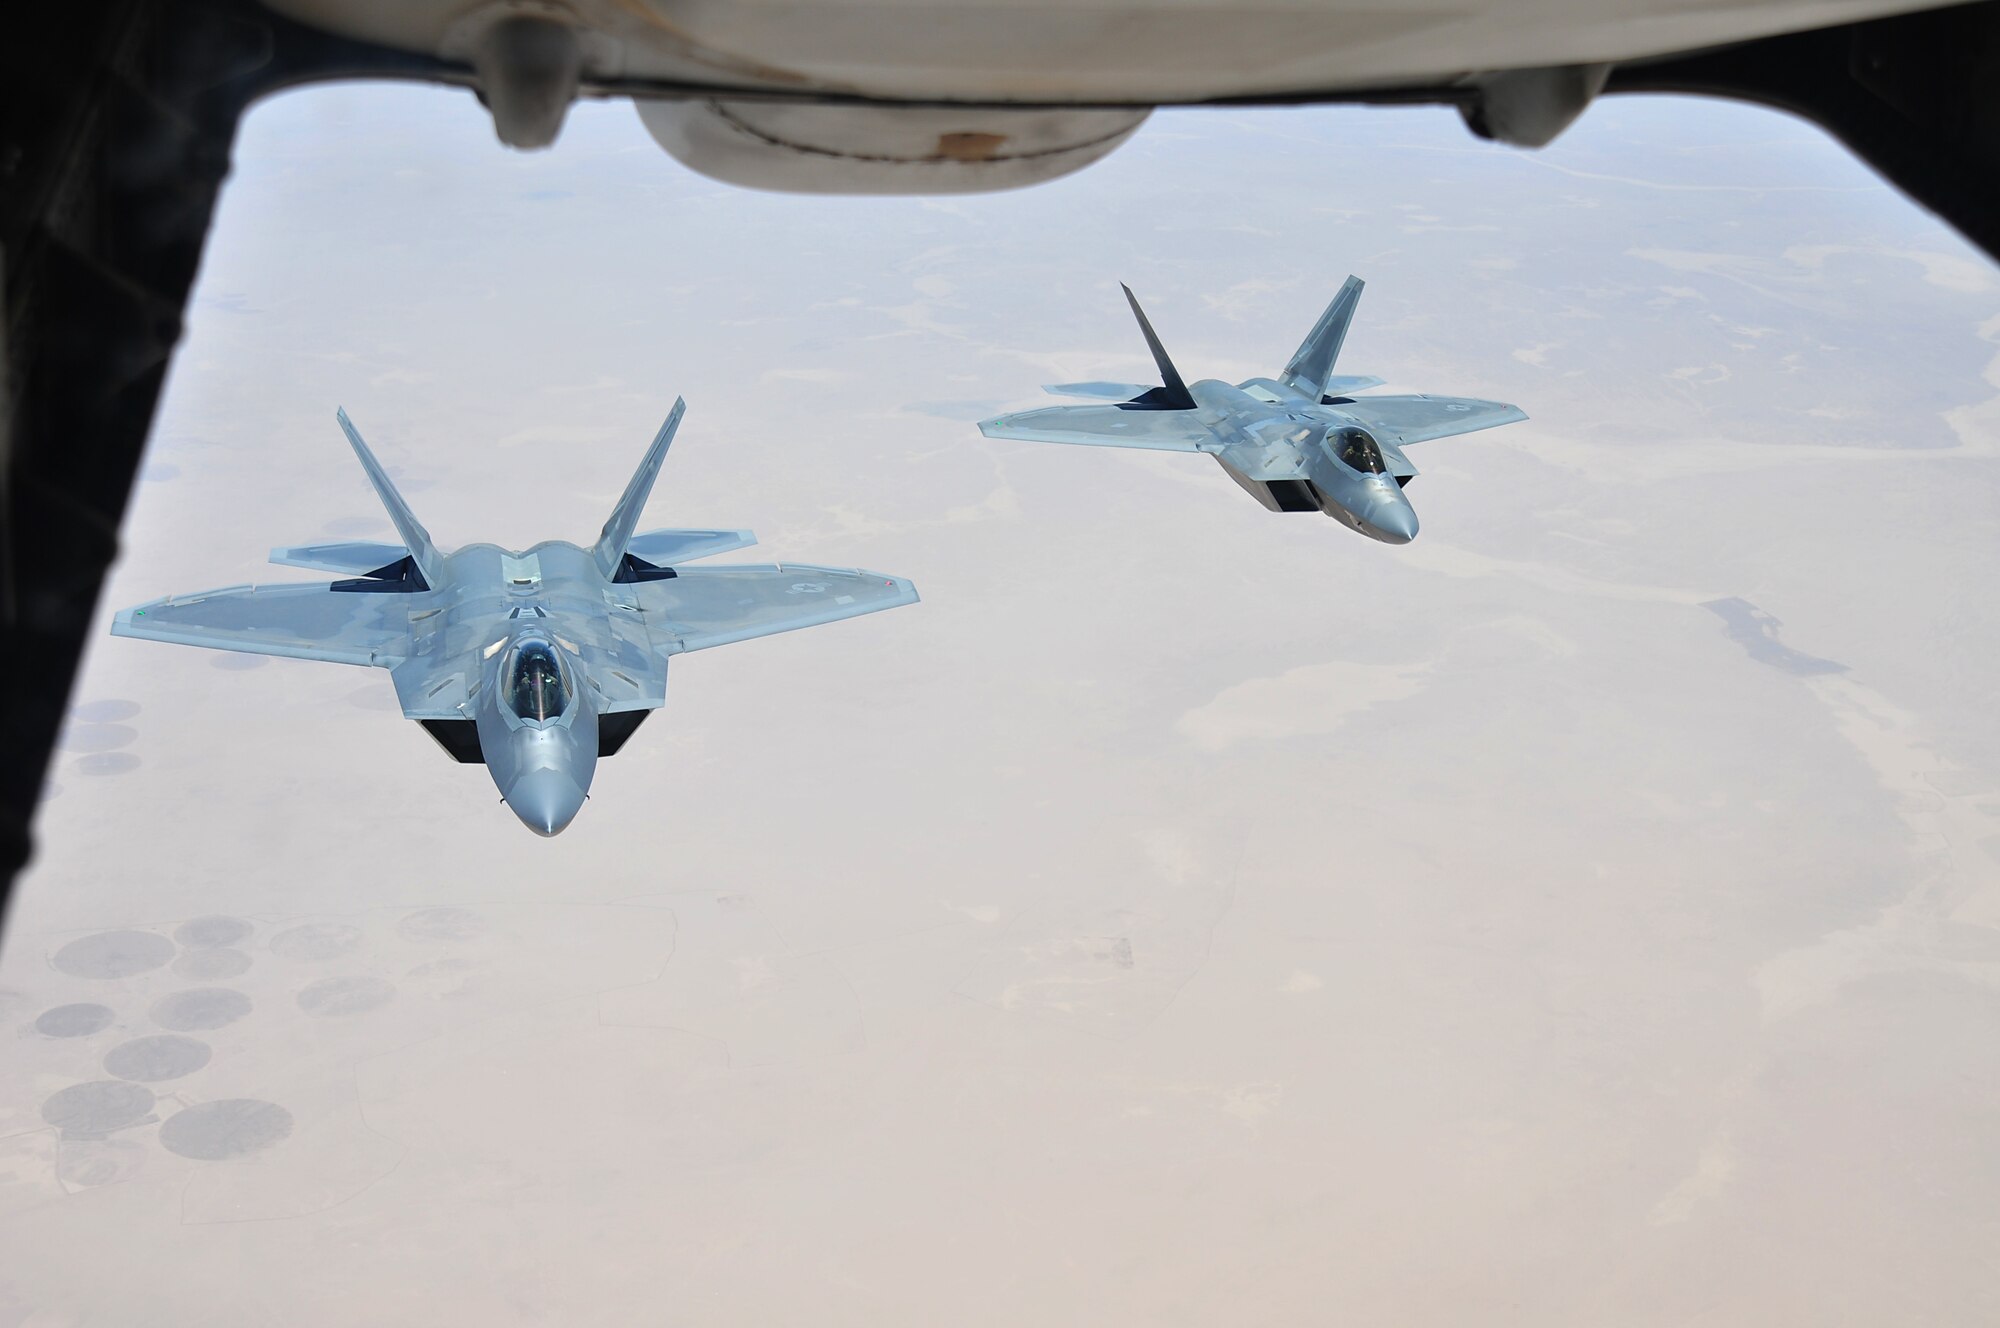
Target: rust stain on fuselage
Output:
{"points": [[969, 146]]}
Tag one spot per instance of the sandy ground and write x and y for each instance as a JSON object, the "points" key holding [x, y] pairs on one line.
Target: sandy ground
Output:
{"points": [[1186, 915]]}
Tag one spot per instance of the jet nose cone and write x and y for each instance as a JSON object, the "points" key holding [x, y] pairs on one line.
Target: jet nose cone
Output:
{"points": [[545, 800], [1395, 524]]}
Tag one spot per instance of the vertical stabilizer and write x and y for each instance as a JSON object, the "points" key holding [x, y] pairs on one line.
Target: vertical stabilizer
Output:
{"points": [[611, 545], [415, 538], [1313, 360], [1175, 395]]}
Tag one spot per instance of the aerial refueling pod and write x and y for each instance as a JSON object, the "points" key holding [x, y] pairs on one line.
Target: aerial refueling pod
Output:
{"points": [[796, 147]]}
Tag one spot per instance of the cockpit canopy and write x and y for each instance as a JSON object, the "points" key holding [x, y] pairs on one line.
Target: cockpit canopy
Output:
{"points": [[536, 686], [1355, 449]]}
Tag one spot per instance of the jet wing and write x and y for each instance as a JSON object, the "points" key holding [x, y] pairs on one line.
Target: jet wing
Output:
{"points": [[297, 621], [1107, 426], [714, 606], [356, 558], [1418, 419]]}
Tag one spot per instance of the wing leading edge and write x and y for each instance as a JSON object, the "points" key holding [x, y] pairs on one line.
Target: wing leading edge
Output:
{"points": [[704, 607], [1099, 391], [1106, 426], [293, 621], [1418, 419]]}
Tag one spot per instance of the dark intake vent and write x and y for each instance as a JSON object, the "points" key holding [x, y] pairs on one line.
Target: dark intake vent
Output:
{"points": [[458, 737], [1293, 495], [613, 729]]}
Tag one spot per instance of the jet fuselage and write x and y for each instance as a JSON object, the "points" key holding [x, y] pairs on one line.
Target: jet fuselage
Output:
{"points": [[535, 663], [1296, 443], [534, 702], [1294, 454]]}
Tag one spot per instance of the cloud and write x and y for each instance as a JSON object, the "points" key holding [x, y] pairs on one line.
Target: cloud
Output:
{"points": [[1243, 299], [821, 376]]}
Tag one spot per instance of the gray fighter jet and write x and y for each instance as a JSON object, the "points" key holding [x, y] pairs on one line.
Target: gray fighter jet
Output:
{"points": [[1298, 442], [536, 663]]}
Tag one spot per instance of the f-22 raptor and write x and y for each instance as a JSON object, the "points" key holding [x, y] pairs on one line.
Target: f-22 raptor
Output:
{"points": [[1298, 442], [535, 663]]}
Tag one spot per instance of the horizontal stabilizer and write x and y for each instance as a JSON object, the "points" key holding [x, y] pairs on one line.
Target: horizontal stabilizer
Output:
{"points": [[1340, 384], [1106, 426], [1099, 391], [664, 548], [355, 557]]}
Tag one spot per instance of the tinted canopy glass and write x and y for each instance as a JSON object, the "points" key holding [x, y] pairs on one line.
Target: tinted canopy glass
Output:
{"points": [[1355, 449], [535, 686]]}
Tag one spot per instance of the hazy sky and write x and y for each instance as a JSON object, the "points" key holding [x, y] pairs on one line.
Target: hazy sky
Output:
{"points": [[1584, 915]]}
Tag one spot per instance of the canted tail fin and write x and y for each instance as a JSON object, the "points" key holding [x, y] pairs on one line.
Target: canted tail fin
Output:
{"points": [[1313, 361], [415, 538], [1173, 391], [617, 536]]}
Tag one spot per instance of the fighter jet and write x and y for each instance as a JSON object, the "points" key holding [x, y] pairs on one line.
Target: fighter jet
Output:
{"points": [[1298, 442], [534, 662]]}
